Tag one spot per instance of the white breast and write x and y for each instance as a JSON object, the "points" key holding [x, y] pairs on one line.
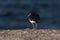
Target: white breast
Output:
{"points": [[32, 21]]}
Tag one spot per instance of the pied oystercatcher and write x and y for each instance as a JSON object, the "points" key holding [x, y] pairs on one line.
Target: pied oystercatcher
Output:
{"points": [[34, 18]]}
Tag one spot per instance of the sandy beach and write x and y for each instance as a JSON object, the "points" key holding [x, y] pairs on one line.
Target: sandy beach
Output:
{"points": [[29, 34]]}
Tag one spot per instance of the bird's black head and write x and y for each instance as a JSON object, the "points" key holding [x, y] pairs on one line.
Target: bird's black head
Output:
{"points": [[31, 13]]}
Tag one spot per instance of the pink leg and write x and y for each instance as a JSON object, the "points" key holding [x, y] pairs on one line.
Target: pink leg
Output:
{"points": [[36, 26], [33, 26]]}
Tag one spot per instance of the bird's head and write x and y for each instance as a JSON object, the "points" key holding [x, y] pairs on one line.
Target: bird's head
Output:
{"points": [[31, 13]]}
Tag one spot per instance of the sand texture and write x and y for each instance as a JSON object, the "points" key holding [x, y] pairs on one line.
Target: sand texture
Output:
{"points": [[29, 34]]}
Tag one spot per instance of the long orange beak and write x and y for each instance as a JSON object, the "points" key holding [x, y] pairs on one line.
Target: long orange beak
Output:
{"points": [[29, 14]]}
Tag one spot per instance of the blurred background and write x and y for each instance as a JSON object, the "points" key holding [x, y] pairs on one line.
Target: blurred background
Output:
{"points": [[13, 13]]}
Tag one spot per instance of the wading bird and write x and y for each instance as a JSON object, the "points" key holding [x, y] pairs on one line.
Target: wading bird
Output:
{"points": [[34, 18]]}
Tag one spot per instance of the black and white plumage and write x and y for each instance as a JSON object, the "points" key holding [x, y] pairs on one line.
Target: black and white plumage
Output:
{"points": [[34, 18]]}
